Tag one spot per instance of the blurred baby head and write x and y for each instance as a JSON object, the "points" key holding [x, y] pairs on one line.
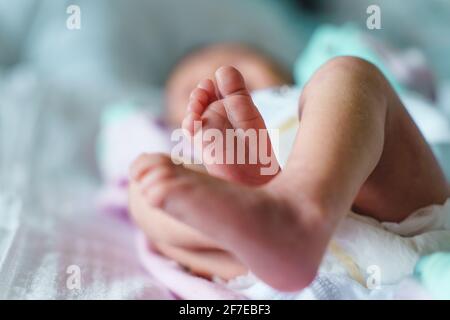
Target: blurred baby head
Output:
{"points": [[258, 70]]}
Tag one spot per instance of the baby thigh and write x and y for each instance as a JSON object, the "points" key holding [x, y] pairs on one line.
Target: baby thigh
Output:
{"points": [[408, 176]]}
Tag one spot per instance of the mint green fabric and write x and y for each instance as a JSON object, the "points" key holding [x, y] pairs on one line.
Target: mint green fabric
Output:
{"points": [[117, 112], [113, 114], [434, 273], [330, 41]]}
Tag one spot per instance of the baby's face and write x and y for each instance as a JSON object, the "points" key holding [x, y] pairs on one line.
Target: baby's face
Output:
{"points": [[259, 73]]}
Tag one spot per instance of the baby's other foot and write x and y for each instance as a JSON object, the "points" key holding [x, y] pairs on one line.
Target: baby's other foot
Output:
{"points": [[265, 231], [243, 152]]}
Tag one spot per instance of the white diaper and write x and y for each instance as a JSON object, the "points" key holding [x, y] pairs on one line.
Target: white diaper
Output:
{"points": [[279, 109], [365, 248], [366, 258], [364, 254]]}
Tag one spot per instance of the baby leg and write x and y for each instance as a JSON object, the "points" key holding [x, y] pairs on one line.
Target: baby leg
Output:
{"points": [[358, 145], [282, 228]]}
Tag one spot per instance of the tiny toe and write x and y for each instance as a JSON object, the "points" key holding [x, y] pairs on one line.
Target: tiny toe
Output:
{"points": [[196, 107], [144, 163], [238, 103], [155, 196], [139, 166], [209, 86], [230, 81], [200, 95], [191, 122], [151, 179]]}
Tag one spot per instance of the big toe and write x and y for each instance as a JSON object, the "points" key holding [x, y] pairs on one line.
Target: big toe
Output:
{"points": [[230, 82], [236, 99]]}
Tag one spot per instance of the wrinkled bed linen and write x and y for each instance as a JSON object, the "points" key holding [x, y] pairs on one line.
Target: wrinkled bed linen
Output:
{"points": [[48, 220], [37, 257]]}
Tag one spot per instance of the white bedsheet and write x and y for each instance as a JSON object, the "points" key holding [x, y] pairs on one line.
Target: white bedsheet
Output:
{"points": [[42, 258], [48, 219]]}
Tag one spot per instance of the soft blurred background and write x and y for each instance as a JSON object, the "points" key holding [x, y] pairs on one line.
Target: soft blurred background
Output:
{"points": [[55, 83]]}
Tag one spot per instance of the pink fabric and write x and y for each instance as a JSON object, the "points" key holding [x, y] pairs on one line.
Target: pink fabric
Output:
{"points": [[181, 283]]}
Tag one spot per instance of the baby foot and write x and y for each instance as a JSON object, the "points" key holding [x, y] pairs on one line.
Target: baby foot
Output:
{"points": [[267, 233], [243, 152]]}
